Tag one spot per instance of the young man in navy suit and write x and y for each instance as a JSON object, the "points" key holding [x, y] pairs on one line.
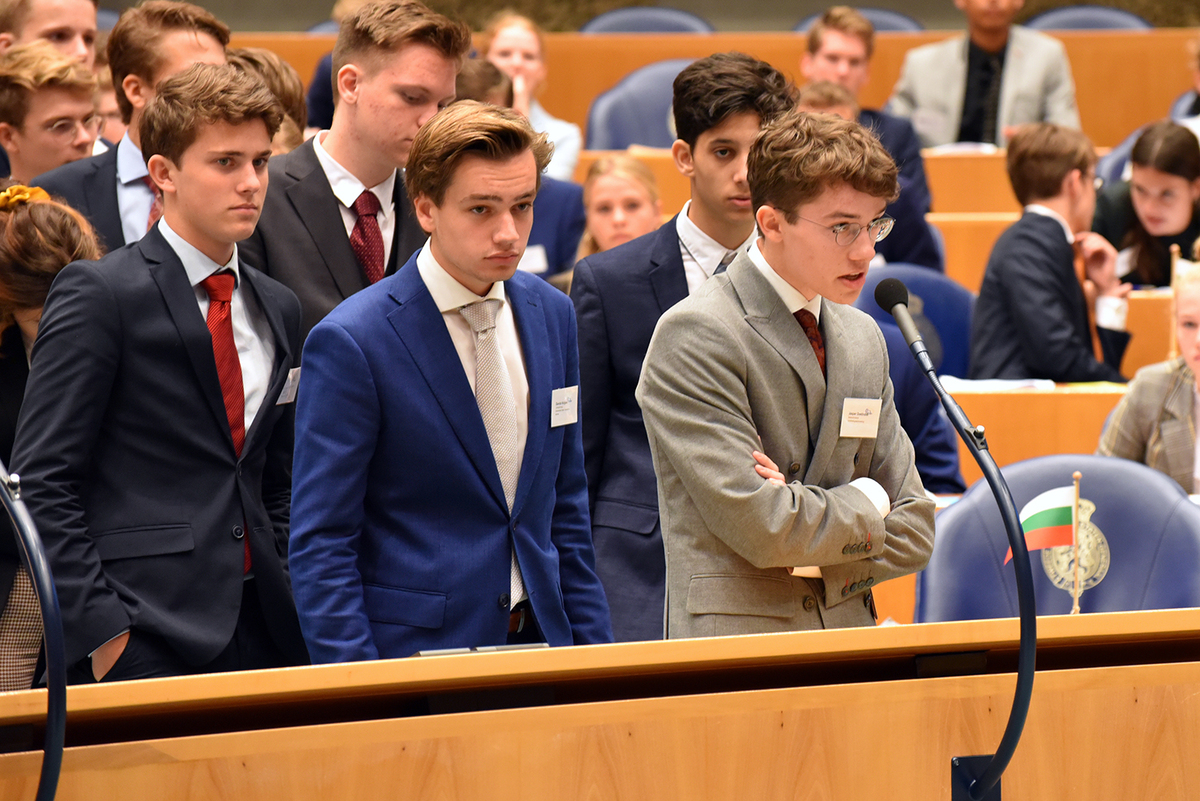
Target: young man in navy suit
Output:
{"points": [[155, 438], [720, 104], [440, 493]]}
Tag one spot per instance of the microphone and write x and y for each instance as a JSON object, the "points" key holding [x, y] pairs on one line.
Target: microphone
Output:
{"points": [[892, 296]]}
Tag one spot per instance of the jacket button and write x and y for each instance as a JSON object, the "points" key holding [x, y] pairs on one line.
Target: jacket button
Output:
{"points": [[502, 601], [870, 580], [794, 468], [868, 547], [810, 603], [845, 549], [845, 591], [238, 532]]}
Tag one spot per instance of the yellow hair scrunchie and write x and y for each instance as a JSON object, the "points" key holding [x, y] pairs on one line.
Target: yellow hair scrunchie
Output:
{"points": [[17, 195]]}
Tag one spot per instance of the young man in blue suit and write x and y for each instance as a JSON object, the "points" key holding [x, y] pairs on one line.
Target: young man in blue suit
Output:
{"points": [[440, 494], [155, 438], [720, 104]]}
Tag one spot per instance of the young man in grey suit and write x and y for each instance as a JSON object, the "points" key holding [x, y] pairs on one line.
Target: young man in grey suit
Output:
{"points": [[720, 103], [766, 365], [978, 87], [337, 218]]}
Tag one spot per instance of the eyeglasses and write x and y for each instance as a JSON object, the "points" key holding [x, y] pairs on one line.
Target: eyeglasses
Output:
{"points": [[846, 233], [65, 128]]}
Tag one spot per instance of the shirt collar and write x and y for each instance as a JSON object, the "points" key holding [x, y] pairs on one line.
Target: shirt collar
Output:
{"points": [[707, 251], [346, 188], [447, 292], [1037, 208], [791, 297], [131, 166], [196, 264]]}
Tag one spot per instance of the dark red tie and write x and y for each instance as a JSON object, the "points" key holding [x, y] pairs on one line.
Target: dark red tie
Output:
{"points": [[219, 287], [156, 206], [809, 323], [366, 238]]}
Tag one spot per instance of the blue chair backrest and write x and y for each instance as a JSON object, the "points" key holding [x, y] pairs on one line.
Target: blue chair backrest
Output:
{"points": [[647, 19], [637, 111], [947, 304], [1111, 165], [1183, 105], [1087, 18], [1150, 552], [324, 26], [106, 18], [884, 19]]}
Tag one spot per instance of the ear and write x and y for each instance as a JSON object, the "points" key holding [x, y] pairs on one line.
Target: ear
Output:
{"points": [[349, 80], [7, 40], [806, 65], [770, 222], [138, 92], [162, 172], [681, 151], [8, 138], [1071, 184], [425, 209]]}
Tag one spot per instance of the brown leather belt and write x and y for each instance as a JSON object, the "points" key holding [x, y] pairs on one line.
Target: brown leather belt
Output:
{"points": [[520, 615]]}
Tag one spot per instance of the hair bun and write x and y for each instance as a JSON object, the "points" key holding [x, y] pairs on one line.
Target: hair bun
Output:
{"points": [[20, 195]]}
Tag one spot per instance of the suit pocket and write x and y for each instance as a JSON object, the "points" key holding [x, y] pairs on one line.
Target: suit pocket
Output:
{"points": [[625, 516], [426, 610], [129, 543], [739, 594]]}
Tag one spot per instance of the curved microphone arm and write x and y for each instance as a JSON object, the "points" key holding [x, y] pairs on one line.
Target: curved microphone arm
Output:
{"points": [[892, 296], [34, 556]]}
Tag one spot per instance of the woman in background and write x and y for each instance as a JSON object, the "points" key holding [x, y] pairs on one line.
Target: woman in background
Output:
{"points": [[38, 237], [620, 197]]}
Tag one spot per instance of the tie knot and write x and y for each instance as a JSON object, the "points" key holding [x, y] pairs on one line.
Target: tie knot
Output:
{"points": [[807, 320], [366, 203], [219, 286], [481, 315]]}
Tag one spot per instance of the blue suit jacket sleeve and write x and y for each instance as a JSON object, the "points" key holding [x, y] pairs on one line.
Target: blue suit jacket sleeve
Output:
{"points": [[595, 379]]}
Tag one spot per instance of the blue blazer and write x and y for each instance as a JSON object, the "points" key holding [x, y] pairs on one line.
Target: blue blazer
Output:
{"points": [[90, 187], [558, 223], [401, 533], [619, 295]]}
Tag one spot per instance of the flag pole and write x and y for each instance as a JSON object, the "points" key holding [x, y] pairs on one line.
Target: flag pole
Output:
{"points": [[1075, 541]]}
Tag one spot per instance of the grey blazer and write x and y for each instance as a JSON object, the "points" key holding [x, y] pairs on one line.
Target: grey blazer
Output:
{"points": [[730, 371], [1036, 86], [1154, 423]]}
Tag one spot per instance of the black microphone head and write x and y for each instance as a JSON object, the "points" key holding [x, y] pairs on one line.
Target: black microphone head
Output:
{"points": [[889, 292]]}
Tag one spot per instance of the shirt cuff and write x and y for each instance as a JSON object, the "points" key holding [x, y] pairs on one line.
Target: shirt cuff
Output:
{"points": [[876, 494], [1111, 312]]}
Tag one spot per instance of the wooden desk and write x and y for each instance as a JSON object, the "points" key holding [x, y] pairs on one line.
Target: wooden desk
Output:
{"points": [[1150, 324], [1116, 711]]}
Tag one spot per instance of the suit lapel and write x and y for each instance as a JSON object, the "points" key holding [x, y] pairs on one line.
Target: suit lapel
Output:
{"points": [[408, 237], [105, 216], [667, 277], [421, 329], [167, 271], [530, 318], [839, 366], [283, 351]]}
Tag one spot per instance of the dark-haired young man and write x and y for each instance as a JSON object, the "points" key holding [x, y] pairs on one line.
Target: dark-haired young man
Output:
{"points": [[720, 104], [155, 438]]}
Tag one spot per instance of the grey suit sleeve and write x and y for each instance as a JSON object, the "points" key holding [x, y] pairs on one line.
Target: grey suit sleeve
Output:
{"points": [[1059, 90]]}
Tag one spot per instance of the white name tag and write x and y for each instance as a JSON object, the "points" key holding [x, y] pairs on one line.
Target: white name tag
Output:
{"points": [[534, 260], [860, 417], [288, 393], [564, 406]]}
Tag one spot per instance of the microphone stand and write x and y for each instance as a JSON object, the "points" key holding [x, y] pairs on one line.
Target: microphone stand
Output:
{"points": [[34, 557], [977, 778]]}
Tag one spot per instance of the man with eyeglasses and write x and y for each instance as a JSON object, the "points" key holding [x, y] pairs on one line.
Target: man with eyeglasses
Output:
{"points": [[47, 109], [787, 486]]}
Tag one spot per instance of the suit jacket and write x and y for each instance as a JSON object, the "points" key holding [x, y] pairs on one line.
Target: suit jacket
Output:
{"points": [[1155, 422], [1031, 319], [898, 138], [128, 467], [1036, 86], [558, 223], [13, 373], [619, 295], [729, 371], [301, 240], [90, 187], [402, 536]]}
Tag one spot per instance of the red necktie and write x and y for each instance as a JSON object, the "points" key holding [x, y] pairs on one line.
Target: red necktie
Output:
{"points": [[809, 323], [156, 206], [219, 287], [366, 239]]}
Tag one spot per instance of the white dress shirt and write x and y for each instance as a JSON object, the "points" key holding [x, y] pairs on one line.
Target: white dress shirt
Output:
{"points": [[346, 188], [701, 253], [450, 296], [134, 198], [251, 331]]}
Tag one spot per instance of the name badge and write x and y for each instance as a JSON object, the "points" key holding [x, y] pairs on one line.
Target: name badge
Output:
{"points": [[860, 417], [288, 393], [534, 260], [564, 406]]}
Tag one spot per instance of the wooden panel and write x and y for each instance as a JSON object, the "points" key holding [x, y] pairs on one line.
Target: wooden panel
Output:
{"points": [[973, 182], [969, 238], [673, 188], [301, 50], [1150, 324]]}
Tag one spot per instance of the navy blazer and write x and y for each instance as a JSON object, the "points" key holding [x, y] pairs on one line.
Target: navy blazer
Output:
{"points": [[401, 535], [558, 223], [619, 295], [1031, 319], [90, 187], [911, 241], [128, 466]]}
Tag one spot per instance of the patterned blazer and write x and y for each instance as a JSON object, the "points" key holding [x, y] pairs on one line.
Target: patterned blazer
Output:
{"points": [[1155, 423]]}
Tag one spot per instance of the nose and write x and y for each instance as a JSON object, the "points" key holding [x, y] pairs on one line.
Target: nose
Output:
{"points": [[618, 217], [863, 247], [740, 175], [79, 49], [252, 179], [427, 113], [506, 231]]}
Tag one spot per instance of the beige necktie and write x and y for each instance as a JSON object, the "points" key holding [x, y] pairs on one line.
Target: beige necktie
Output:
{"points": [[498, 407]]}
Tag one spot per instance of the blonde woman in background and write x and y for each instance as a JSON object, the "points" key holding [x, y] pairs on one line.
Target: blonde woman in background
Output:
{"points": [[621, 199]]}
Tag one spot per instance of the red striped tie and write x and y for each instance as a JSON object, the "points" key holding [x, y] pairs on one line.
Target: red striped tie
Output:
{"points": [[219, 287]]}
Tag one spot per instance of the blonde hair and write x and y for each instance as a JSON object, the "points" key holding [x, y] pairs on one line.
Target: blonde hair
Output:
{"points": [[27, 69], [621, 166], [825, 95]]}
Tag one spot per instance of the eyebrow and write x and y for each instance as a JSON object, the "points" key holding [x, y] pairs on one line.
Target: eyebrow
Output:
{"points": [[498, 199]]}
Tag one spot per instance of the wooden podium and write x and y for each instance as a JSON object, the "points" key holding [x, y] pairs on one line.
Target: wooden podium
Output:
{"points": [[847, 714]]}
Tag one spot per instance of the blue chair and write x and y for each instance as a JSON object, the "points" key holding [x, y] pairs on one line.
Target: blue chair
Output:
{"points": [[647, 19], [1111, 165], [947, 304], [1182, 105], [324, 26], [884, 19], [1151, 550], [106, 18], [1087, 18], [637, 111]]}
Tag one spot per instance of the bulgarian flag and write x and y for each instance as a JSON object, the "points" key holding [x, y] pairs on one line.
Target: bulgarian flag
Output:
{"points": [[1046, 520]]}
